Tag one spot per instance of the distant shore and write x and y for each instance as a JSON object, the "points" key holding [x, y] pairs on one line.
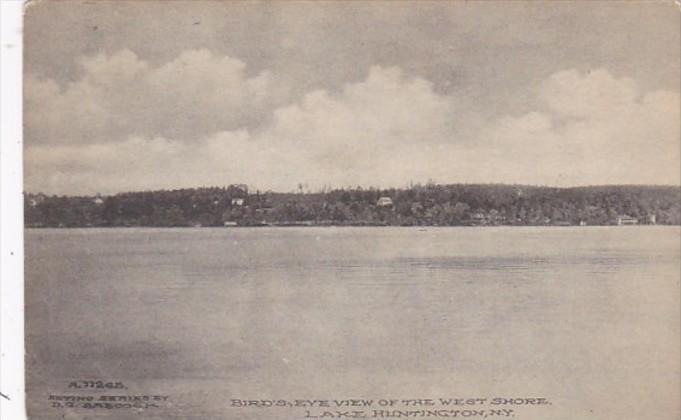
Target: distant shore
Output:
{"points": [[292, 226], [418, 205]]}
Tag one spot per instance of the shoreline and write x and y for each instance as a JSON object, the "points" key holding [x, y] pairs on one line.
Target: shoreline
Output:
{"points": [[421, 227]]}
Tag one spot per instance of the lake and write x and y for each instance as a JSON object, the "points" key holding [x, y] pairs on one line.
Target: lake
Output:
{"points": [[587, 317]]}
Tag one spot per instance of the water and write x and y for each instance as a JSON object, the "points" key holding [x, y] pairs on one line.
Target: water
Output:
{"points": [[588, 317]]}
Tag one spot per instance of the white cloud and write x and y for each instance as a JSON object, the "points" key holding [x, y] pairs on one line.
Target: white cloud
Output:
{"points": [[196, 94], [597, 129], [386, 130], [356, 135], [349, 137], [597, 94]]}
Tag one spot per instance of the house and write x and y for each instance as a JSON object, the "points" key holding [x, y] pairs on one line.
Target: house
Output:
{"points": [[238, 201], [624, 220], [385, 202], [264, 211], [652, 219], [582, 223], [230, 224], [34, 200], [98, 199], [479, 219]]}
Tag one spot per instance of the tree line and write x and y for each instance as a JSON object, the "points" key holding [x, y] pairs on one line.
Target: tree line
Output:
{"points": [[419, 205]]}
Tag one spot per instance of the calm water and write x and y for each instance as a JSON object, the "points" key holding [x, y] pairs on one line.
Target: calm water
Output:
{"points": [[587, 317]]}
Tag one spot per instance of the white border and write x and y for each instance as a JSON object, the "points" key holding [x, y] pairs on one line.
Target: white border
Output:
{"points": [[11, 214]]}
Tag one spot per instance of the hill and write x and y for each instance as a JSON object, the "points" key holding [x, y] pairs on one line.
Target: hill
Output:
{"points": [[432, 205]]}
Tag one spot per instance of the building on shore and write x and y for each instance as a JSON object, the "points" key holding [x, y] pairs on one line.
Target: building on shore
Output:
{"points": [[478, 219], [98, 200], [385, 202], [625, 220], [36, 199]]}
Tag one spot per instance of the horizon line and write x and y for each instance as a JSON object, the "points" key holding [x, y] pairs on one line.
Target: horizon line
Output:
{"points": [[326, 189]]}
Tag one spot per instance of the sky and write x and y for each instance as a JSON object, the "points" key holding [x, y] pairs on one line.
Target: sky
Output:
{"points": [[143, 95]]}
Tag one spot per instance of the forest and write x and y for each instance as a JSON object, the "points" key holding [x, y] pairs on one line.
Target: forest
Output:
{"points": [[418, 205]]}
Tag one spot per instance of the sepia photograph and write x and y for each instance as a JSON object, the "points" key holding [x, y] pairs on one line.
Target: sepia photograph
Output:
{"points": [[305, 210]]}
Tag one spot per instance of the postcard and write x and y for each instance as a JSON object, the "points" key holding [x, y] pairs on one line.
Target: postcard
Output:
{"points": [[352, 210]]}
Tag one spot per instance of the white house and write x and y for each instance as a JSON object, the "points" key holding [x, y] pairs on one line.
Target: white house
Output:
{"points": [[624, 220], [385, 202]]}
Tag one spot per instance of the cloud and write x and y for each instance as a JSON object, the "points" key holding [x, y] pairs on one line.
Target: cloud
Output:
{"points": [[361, 134], [593, 129], [341, 138], [386, 130], [594, 95], [118, 95]]}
